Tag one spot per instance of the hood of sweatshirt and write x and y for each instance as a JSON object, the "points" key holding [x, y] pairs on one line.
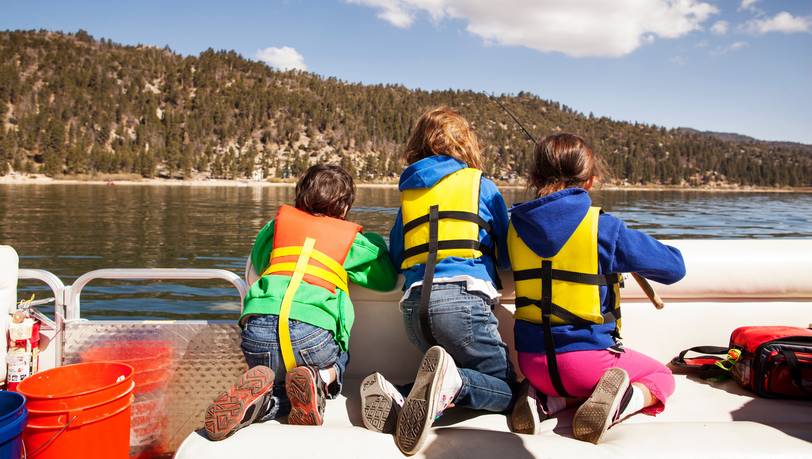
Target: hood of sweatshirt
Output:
{"points": [[428, 171], [545, 224]]}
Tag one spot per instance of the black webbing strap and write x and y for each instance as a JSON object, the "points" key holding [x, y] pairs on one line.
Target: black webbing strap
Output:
{"points": [[555, 310], [428, 275], [449, 214], [447, 245], [549, 342], [568, 276], [713, 350]]}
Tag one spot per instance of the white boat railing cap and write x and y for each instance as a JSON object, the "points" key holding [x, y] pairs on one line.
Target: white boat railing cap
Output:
{"points": [[74, 292]]}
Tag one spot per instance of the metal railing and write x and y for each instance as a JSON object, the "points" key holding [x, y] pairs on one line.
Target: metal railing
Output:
{"points": [[58, 288], [73, 292]]}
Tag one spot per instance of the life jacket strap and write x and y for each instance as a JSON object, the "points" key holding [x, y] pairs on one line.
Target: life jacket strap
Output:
{"points": [[569, 276], [448, 214], [428, 274], [285, 345], [549, 341], [335, 274], [447, 245]]}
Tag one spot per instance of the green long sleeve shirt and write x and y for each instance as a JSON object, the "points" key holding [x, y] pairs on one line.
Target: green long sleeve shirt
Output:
{"points": [[367, 265]]}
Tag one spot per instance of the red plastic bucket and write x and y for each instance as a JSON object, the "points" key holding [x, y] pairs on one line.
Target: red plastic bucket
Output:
{"points": [[151, 360], [79, 411]]}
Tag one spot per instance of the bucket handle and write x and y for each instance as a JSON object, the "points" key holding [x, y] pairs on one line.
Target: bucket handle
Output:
{"points": [[50, 440]]}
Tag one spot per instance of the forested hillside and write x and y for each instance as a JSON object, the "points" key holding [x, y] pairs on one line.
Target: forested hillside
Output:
{"points": [[70, 104]]}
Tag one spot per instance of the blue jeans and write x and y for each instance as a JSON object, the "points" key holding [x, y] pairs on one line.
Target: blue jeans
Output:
{"points": [[464, 325], [312, 346]]}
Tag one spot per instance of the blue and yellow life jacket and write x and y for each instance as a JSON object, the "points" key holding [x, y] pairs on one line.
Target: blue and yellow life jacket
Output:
{"points": [[563, 289], [440, 222], [443, 219]]}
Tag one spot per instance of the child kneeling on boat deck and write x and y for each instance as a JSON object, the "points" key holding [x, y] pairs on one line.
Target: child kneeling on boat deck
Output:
{"points": [[447, 237], [297, 315], [567, 257]]}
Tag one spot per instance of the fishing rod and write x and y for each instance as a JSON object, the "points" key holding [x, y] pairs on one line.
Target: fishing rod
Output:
{"points": [[641, 281]]}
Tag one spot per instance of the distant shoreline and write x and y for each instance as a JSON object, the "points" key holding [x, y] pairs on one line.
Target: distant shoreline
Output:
{"points": [[132, 180]]}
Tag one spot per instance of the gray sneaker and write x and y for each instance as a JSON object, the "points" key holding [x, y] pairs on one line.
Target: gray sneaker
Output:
{"points": [[435, 386], [526, 415], [595, 415], [380, 403]]}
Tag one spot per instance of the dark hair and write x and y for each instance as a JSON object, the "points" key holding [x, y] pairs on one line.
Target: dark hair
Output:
{"points": [[325, 190], [562, 161]]}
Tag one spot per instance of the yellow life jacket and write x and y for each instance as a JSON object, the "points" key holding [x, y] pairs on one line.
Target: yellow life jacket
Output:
{"points": [[574, 282], [563, 289], [444, 218], [440, 222]]}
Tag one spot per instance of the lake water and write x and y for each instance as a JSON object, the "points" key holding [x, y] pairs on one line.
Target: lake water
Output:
{"points": [[72, 229]]}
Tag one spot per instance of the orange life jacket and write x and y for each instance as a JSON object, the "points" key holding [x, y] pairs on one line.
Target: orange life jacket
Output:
{"points": [[333, 237]]}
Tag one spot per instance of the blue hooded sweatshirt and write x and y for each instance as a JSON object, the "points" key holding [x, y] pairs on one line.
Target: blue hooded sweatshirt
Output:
{"points": [[545, 224], [425, 174]]}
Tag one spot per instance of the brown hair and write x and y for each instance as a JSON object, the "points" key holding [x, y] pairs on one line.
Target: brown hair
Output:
{"points": [[562, 161], [325, 190], [442, 131]]}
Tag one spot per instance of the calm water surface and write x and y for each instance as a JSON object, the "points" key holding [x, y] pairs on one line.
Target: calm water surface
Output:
{"points": [[72, 229]]}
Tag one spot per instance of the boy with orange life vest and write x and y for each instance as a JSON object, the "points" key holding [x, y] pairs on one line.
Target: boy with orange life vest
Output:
{"points": [[567, 257], [447, 237], [297, 314]]}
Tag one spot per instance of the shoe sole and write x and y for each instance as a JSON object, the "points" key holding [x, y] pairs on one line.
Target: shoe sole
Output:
{"points": [[522, 418], [225, 414], [594, 416], [417, 413], [306, 407], [379, 410]]}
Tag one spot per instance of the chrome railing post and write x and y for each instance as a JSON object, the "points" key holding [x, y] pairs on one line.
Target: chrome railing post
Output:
{"points": [[58, 288]]}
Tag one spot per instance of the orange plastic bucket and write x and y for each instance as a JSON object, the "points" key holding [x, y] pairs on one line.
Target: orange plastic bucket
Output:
{"points": [[79, 411]]}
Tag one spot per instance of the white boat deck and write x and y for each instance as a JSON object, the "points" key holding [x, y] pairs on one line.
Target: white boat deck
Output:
{"points": [[729, 284]]}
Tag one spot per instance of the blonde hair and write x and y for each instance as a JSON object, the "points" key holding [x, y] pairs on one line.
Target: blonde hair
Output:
{"points": [[443, 131]]}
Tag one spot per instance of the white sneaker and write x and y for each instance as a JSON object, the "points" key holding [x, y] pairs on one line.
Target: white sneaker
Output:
{"points": [[380, 403], [436, 385], [595, 415], [526, 415]]}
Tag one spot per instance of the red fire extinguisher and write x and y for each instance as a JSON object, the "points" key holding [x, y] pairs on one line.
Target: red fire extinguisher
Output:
{"points": [[23, 346]]}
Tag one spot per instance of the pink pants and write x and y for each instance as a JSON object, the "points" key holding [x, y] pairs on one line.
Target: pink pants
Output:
{"points": [[581, 370]]}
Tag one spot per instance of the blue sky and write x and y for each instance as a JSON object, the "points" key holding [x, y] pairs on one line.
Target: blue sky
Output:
{"points": [[725, 65]]}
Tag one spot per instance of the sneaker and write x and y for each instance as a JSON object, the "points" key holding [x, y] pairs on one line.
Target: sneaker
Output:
{"points": [[306, 394], [241, 404], [435, 386], [380, 403], [594, 416], [526, 415]]}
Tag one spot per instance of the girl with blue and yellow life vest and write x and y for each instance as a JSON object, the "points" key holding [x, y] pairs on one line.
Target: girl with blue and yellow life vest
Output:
{"points": [[567, 257], [447, 239], [297, 314]]}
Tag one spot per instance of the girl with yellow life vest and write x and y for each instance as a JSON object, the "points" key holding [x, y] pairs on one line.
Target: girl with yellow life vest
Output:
{"points": [[567, 257], [297, 314], [447, 237]]}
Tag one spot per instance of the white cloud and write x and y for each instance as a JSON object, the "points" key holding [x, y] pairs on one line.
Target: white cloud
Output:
{"points": [[390, 11], [579, 28], [782, 22], [749, 5], [720, 27], [284, 58], [735, 46]]}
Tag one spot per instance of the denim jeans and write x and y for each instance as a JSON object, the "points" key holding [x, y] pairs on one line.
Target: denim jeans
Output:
{"points": [[464, 325], [312, 346]]}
